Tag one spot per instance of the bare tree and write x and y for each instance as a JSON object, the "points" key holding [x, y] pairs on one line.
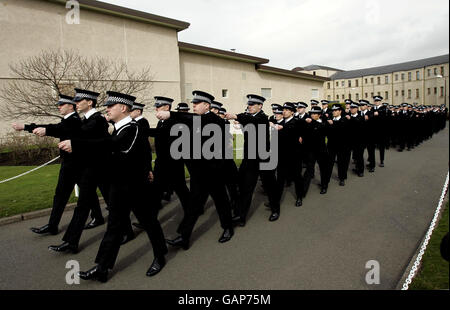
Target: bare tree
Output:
{"points": [[38, 80]]}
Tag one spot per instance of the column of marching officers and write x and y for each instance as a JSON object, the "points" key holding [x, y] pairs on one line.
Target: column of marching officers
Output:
{"points": [[120, 163]]}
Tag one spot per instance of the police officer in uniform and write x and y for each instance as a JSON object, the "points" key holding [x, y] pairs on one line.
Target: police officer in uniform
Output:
{"points": [[169, 172], [356, 129], [66, 129], [316, 150], [250, 167], [338, 144], [91, 173], [129, 176], [380, 129], [182, 107], [326, 113], [206, 174]]}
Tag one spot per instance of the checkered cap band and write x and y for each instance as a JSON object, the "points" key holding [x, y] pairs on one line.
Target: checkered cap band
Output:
{"points": [[85, 96], [201, 98], [112, 99], [65, 101]]}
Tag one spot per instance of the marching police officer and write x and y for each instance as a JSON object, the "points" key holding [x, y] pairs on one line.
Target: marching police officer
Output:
{"points": [[129, 175], [206, 174], [91, 173], [338, 144], [66, 129], [356, 129]]}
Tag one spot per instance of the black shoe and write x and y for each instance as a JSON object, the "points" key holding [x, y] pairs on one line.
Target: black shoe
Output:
{"points": [[341, 183], [46, 229], [156, 266], [226, 235], [94, 274], [371, 170], [238, 221], [368, 166], [275, 216], [64, 247], [323, 191], [382, 165], [299, 202], [360, 175], [137, 225], [94, 223], [180, 242], [127, 238]]}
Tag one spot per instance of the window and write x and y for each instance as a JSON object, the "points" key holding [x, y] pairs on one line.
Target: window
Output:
{"points": [[266, 93], [343, 83], [337, 84], [224, 93], [417, 75], [365, 81], [357, 96], [356, 83], [337, 96], [371, 80], [314, 93], [429, 72], [386, 79], [435, 71], [386, 95], [442, 71], [350, 96], [378, 93], [349, 83], [435, 90], [409, 76], [396, 93], [328, 97], [396, 77], [366, 95], [409, 93], [328, 85], [371, 95], [378, 80], [417, 93], [442, 91], [403, 76], [429, 91], [403, 93], [314, 72]]}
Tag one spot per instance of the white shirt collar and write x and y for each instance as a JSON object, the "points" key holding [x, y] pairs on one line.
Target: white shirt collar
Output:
{"points": [[89, 113], [301, 115], [297, 114], [288, 120], [319, 120], [122, 122], [336, 118], [68, 115], [279, 121], [255, 113], [355, 115], [139, 118]]}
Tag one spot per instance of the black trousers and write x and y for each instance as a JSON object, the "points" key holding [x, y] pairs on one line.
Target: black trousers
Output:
{"points": [[231, 181], [322, 158], [342, 154], [169, 174], [381, 145], [88, 179], [206, 179], [371, 154], [287, 170], [123, 199], [248, 178], [358, 155], [66, 181]]}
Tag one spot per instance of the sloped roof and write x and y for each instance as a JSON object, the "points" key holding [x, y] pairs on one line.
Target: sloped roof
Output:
{"points": [[405, 66], [319, 67]]}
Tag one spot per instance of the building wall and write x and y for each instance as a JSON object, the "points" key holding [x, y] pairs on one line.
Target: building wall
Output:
{"points": [[403, 86], [320, 72], [29, 26], [214, 74]]}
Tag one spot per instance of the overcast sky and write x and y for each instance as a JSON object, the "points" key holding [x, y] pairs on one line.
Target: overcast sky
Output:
{"points": [[344, 34]]}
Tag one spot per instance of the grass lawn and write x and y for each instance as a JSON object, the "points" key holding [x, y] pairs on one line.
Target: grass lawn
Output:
{"points": [[31, 192], [434, 272]]}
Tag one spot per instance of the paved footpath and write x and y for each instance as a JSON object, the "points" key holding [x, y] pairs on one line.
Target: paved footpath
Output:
{"points": [[323, 245]]}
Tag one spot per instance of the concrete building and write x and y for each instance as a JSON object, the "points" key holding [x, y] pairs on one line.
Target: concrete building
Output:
{"points": [[142, 39], [423, 81]]}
